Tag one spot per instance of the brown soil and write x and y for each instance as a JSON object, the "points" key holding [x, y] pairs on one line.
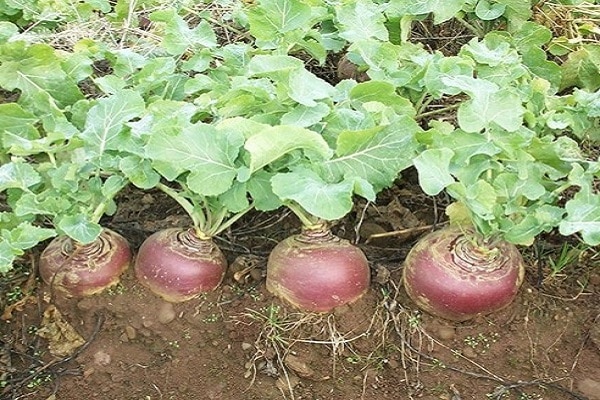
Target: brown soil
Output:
{"points": [[239, 342]]}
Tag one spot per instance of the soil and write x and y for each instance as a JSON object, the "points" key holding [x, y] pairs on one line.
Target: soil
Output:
{"points": [[239, 342]]}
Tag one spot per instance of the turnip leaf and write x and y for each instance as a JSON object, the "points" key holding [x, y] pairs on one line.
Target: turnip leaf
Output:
{"points": [[14, 120], [79, 228], [105, 121], [179, 37], [376, 155], [274, 142], [19, 175], [35, 69], [26, 235], [442, 10], [487, 11], [208, 155], [583, 215], [361, 19], [329, 201], [277, 17], [433, 166]]}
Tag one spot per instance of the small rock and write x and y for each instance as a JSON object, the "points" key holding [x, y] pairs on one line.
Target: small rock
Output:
{"points": [[130, 332], [298, 366], [446, 332], [469, 352], [166, 313], [246, 346], [102, 358], [589, 388]]}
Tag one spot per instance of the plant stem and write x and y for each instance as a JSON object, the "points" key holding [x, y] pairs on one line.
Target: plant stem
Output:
{"points": [[198, 219], [224, 225], [308, 221], [474, 29], [438, 111], [101, 208]]}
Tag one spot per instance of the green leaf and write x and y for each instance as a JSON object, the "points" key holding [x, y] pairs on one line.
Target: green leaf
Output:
{"points": [[7, 256], [7, 30], [361, 19], [139, 172], [271, 18], [433, 166], [178, 37], [106, 120], [265, 65], [79, 228], [26, 235], [235, 199], [305, 87], [376, 155], [493, 50], [207, 154], [14, 120], [488, 105], [583, 216], [305, 116], [487, 11], [329, 201], [442, 10], [274, 142], [18, 175], [34, 69], [261, 191], [382, 92]]}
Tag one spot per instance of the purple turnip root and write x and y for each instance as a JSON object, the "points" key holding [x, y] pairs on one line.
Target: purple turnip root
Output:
{"points": [[316, 271], [456, 275], [85, 269], [177, 265]]}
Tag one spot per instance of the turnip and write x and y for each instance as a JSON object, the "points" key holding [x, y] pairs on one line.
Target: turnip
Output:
{"points": [[457, 275], [317, 271], [178, 264], [77, 269]]}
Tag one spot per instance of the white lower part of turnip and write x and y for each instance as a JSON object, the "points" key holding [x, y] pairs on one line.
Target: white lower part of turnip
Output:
{"points": [[178, 266], [85, 269], [459, 277], [317, 271]]}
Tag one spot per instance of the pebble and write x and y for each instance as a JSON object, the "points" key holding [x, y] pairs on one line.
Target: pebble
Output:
{"points": [[102, 358], [246, 346], [298, 366], [469, 352], [166, 313], [589, 388], [130, 332], [446, 332]]}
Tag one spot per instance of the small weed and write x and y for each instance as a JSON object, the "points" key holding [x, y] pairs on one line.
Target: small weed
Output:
{"points": [[14, 295], [174, 344], [38, 381], [437, 364], [568, 255], [353, 359], [116, 290], [481, 341], [414, 321], [211, 318]]}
